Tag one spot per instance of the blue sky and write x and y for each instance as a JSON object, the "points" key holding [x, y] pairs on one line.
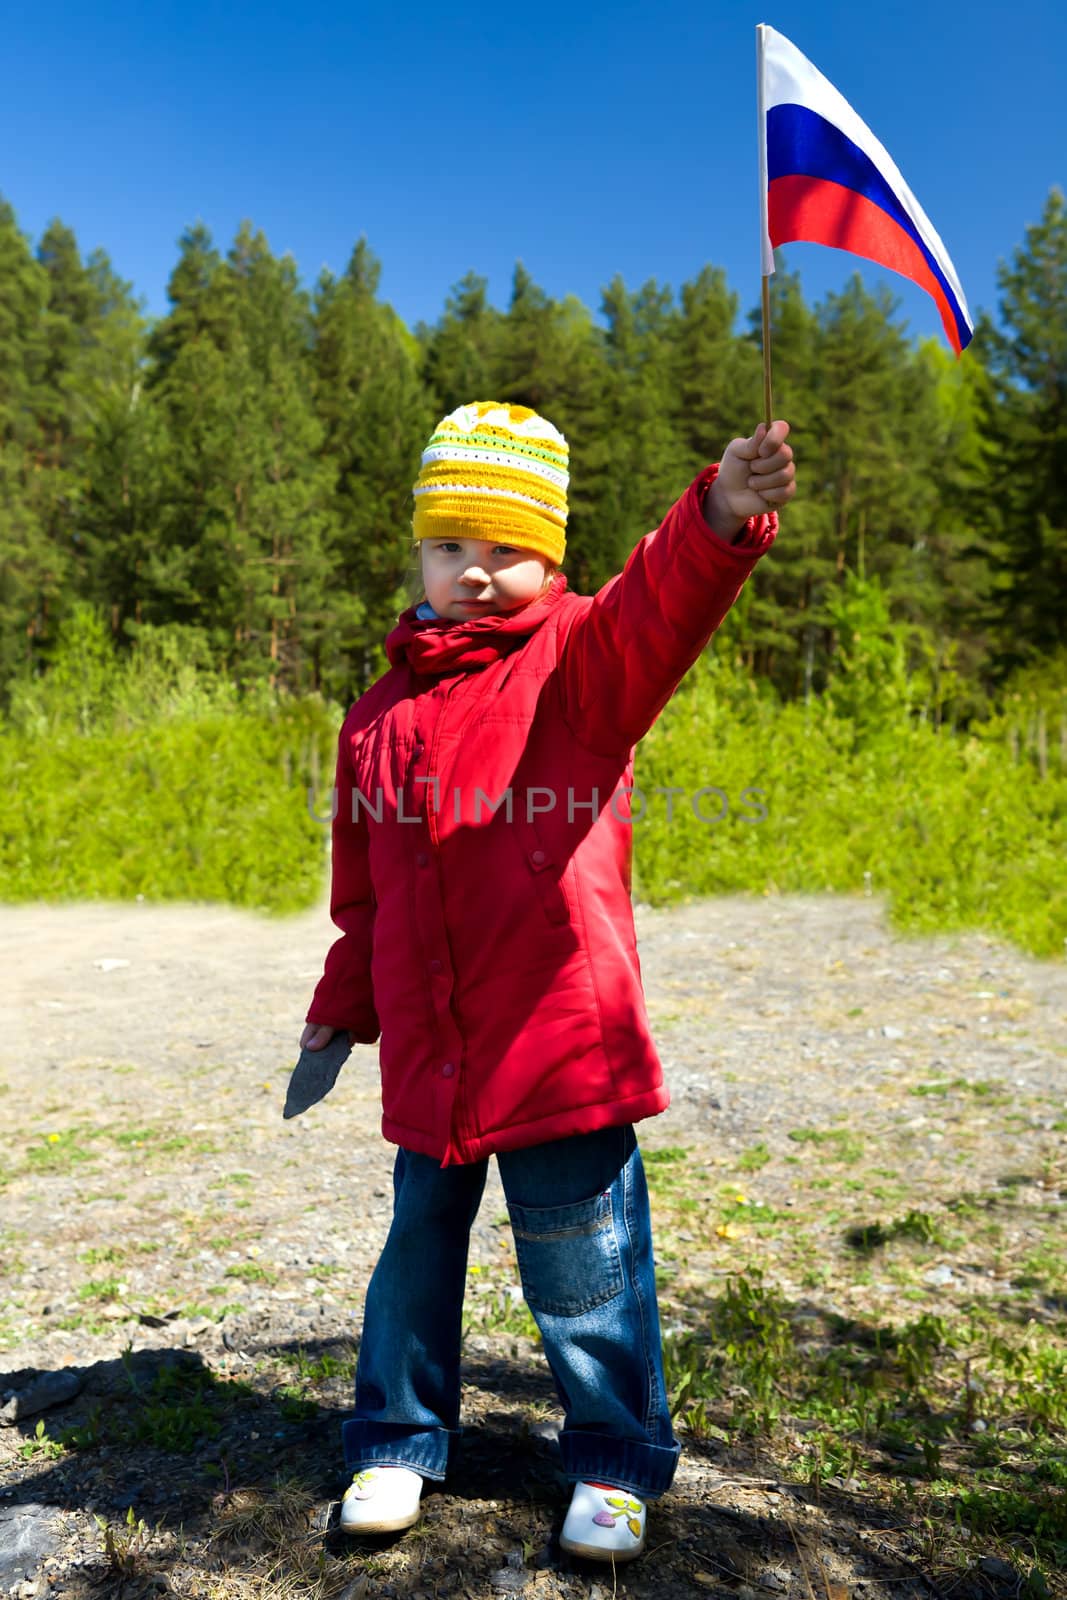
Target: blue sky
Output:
{"points": [[586, 141]]}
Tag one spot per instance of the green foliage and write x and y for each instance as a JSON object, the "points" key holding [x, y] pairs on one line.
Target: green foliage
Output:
{"points": [[232, 485], [950, 829], [124, 1546], [40, 1446], [108, 758], [903, 1404]]}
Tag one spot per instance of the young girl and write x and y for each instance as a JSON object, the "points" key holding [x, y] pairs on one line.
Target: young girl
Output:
{"points": [[481, 877]]}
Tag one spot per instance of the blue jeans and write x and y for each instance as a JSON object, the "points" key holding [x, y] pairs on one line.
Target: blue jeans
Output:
{"points": [[579, 1214]]}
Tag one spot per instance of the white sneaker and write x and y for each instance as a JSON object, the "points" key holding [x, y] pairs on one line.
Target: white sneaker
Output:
{"points": [[381, 1500], [604, 1523]]}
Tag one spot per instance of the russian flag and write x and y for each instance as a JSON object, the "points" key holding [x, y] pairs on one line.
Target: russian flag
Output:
{"points": [[826, 179]]}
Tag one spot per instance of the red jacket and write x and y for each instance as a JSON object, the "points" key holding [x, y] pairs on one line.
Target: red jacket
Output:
{"points": [[497, 958]]}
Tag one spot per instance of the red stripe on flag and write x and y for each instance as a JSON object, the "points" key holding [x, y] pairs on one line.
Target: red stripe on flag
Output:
{"points": [[818, 212]]}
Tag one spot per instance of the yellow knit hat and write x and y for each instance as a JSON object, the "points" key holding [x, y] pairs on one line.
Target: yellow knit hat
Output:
{"points": [[494, 471]]}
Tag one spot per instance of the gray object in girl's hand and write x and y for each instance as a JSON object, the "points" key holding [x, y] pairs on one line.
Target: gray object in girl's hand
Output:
{"points": [[315, 1074]]}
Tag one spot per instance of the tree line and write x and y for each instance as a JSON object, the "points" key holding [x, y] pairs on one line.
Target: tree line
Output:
{"points": [[234, 478]]}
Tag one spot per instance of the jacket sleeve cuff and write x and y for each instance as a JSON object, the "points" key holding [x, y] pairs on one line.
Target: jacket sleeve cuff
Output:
{"points": [[758, 533], [365, 1028]]}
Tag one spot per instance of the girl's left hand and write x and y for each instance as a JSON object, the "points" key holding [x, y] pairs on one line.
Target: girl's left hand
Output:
{"points": [[756, 475]]}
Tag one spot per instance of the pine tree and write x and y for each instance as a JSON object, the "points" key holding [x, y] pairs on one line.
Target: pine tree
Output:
{"points": [[376, 418], [550, 355], [1027, 430], [245, 516], [459, 353], [92, 330], [34, 573], [649, 464], [718, 374]]}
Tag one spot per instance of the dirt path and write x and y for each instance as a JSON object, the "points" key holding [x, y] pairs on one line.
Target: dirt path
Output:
{"points": [[156, 1202]]}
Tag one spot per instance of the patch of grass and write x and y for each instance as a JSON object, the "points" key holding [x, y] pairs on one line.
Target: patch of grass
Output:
{"points": [[982, 1089], [81, 1322], [916, 1225], [58, 1152], [183, 1407], [839, 1144], [215, 1313], [127, 1138], [277, 1516], [98, 1257], [40, 1446], [101, 1289], [294, 1403], [498, 1308], [125, 1547], [320, 1368], [958, 1418], [251, 1272], [752, 1159]]}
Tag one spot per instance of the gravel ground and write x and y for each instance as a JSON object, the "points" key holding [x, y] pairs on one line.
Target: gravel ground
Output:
{"points": [[159, 1216]]}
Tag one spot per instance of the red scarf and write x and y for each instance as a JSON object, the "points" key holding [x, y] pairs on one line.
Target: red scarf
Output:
{"points": [[437, 644]]}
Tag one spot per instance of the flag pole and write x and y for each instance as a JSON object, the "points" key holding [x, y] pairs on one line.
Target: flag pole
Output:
{"points": [[767, 350], [766, 251]]}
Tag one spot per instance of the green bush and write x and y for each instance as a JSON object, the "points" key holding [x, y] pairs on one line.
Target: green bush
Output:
{"points": [[951, 829], [151, 777]]}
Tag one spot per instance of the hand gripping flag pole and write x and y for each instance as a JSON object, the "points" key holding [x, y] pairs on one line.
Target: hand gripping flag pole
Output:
{"points": [[826, 179]]}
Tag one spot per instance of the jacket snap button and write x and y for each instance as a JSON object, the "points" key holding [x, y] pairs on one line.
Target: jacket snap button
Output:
{"points": [[419, 748], [448, 1069], [435, 965], [422, 858], [537, 857]]}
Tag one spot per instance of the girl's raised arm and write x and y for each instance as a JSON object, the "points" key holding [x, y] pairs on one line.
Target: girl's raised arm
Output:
{"points": [[626, 654]]}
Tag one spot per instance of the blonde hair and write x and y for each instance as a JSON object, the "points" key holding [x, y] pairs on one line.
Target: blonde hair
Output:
{"points": [[415, 589]]}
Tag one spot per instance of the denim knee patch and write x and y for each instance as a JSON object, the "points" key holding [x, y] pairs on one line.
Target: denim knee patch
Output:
{"points": [[568, 1255]]}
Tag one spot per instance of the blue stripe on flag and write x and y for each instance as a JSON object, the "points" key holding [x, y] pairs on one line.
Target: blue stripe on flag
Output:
{"points": [[800, 142]]}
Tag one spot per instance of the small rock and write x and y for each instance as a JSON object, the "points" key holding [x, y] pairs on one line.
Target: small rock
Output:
{"points": [[769, 1579], [939, 1277], [110, 963], [50, 1389], [356, 1589], [994, 1567], [26, 1535], [505, 1580], [889, 1032]]}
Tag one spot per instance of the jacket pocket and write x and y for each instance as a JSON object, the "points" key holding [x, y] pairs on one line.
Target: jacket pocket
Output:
{"points": [[544, 869], [568, 1255]]}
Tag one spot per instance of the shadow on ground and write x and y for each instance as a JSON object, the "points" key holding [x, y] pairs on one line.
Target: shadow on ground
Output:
{"points": [[244, 1491]]}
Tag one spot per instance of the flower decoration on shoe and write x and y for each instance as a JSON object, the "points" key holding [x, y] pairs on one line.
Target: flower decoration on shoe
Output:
{"points": [[382, 1499], [621, 1505], [603, 1522]]}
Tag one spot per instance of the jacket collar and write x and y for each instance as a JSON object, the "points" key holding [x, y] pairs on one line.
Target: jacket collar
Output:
{"points": [[440, 645]]}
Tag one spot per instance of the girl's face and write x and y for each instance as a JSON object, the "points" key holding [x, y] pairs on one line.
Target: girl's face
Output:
{"points": [[467, 578]]}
